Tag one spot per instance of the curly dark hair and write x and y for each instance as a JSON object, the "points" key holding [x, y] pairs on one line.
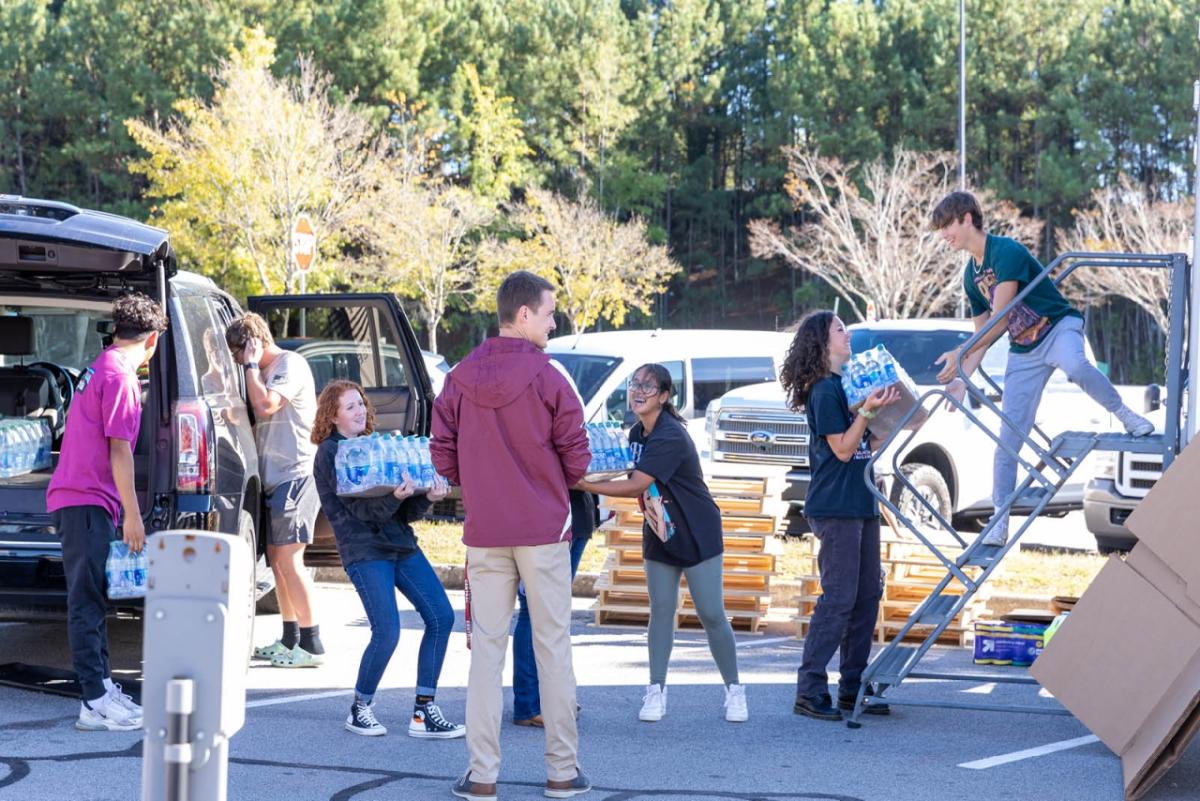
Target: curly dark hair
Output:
{"points": [[136, 316], [807, 359], [327, 409]]}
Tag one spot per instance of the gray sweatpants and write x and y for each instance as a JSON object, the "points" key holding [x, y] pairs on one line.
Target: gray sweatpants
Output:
{"points": [[1024, 380], [705, 583]]}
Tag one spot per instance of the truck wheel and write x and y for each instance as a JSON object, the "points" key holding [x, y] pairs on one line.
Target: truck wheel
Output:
{"points": [[931, 486]]}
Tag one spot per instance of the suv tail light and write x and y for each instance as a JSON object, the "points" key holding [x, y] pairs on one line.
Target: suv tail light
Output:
{"points": [[193, 446]]}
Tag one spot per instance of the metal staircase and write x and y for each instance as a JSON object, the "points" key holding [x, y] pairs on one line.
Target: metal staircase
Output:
{"points": [[1053, 463]]}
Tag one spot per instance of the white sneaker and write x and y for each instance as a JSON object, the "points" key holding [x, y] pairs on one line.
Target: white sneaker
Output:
{"points": [[121, 698], [654, 703], [1135, 424], [735, 704], [105, 714], [996, 538]]}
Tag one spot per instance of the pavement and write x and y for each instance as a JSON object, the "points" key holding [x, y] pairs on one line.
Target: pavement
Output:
{"points": [[293, 745]]}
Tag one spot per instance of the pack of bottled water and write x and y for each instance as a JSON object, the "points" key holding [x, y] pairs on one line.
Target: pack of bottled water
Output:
{"points": [[870, 371], [375, 464], [610, 448], [126, 571], [24, 446]]}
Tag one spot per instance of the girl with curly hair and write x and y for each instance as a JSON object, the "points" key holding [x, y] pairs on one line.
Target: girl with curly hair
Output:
{"points": [[842, 512], [380, 554]]}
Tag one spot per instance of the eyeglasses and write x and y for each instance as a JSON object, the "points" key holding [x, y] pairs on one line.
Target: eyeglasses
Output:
{"points": [[643, 389]]}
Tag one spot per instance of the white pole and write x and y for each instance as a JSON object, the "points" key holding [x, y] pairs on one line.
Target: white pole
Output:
{"points": [[1192, 410], [962, 96]]}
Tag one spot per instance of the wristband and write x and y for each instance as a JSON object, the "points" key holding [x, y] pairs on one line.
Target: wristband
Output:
{"points": [[867, 414], [251, 365]]}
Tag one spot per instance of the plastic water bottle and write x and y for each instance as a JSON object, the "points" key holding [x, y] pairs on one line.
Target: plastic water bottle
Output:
{"points": [[358, 463], [426, 463], [25, 447], [887, 365], [45, 445], [7, 449], [412, 460]]}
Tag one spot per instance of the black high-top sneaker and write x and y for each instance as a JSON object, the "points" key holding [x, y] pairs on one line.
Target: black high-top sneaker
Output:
{"points": [[428, 721], [362, 721]]}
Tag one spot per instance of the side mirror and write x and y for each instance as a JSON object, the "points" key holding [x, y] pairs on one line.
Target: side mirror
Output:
{"points": [[1153, 398]]}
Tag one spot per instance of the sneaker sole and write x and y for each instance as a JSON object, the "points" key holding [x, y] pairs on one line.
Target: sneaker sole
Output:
{"points": [[438, 735], [471, 796], [566, 793], [649, 718], [364, 732], [737, 718], [81, 726]]}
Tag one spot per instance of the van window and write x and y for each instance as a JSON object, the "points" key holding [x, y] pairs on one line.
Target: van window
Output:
{"points": [[618, 402], [712, 378], [589, 372]]}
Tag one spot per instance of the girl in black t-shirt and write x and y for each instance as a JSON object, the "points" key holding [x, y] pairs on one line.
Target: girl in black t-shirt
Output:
{"points": [[681, 537], [842, 512]]}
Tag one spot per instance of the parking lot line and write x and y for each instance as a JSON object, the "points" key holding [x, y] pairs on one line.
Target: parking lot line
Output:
{"points": [[291, 699], [1029, 753], [768, 641]]}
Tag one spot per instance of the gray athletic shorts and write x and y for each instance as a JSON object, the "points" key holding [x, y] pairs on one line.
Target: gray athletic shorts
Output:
{"points": [[293, 507]]}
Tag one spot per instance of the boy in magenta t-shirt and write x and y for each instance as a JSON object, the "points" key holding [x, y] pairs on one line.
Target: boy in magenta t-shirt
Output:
{"points": [[92, 485]]}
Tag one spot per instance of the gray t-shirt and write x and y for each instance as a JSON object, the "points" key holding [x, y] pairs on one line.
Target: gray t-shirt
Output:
{"points": [[285, 451]]}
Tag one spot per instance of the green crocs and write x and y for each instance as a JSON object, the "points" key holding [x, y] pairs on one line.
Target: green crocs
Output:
{"points": [[271, 651], [297, 658]]}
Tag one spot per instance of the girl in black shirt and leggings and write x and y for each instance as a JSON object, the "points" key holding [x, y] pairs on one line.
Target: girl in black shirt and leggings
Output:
{"points": [[842, 512], [681, 536]]}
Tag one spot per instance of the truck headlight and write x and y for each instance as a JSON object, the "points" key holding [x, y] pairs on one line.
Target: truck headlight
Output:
{"points": [[1106, 464], [710, 422]]}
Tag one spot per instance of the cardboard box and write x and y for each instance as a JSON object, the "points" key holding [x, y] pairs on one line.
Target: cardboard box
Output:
{"points": [[1000, 642], [1127, 660]]}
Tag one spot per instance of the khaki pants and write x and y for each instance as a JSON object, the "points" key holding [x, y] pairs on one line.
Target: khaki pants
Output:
{"points": [[494, 574]]}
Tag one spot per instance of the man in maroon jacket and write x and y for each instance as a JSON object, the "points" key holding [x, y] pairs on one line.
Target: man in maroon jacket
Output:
{"points": [[517, 422]]}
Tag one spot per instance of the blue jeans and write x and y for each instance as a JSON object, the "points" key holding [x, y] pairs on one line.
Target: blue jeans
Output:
{"points": [[377, 581], [527, 701]]}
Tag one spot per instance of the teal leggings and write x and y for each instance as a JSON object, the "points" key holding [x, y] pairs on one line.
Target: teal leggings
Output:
{"points": [[705, 585]]}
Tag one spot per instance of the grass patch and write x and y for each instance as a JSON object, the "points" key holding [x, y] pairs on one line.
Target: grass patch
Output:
{"points": [[1021, 573]]}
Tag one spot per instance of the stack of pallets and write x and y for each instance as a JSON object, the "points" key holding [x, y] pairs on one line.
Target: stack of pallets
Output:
{"points": [[910, 573], [750, 553]]}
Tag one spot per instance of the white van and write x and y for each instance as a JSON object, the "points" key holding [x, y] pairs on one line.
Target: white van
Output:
{"points": [[704, 365]]}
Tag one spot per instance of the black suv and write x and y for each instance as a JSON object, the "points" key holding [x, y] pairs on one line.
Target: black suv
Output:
{"points": [[195, 461]]}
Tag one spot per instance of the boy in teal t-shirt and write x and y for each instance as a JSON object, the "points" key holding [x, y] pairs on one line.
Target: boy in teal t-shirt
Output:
{"points": [[1044, 330]]}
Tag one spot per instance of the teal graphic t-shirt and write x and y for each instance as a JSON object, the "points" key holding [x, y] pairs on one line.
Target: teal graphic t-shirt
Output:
{"points": [[1030, 320]]}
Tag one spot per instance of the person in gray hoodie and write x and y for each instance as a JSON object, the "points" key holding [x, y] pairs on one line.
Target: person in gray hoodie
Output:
{"points": [[508, 429]]}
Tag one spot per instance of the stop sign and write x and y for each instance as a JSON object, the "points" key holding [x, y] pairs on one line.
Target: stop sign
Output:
{"points": [[304, 243]]}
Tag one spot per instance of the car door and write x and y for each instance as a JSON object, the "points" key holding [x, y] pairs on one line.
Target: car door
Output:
{"points": [[360, 337]]}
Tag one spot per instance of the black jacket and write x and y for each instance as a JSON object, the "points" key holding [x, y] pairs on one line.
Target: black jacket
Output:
{"points": [[365, 528]]}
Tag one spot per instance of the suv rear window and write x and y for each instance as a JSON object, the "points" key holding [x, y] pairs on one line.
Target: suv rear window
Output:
{"points": [[588, 372], [338, 343], [66, 337], [713, 377]]}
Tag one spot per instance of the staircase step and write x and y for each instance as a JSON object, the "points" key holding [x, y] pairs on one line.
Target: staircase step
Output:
{"points": [[938, 609], [892, 665], [1028, 500], [982, 556]]}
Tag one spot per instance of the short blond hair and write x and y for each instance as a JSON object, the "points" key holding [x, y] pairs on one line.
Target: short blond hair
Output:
{"points": [[243, 329]]}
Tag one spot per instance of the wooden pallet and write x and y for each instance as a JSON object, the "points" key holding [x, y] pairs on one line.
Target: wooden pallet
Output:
{"points": [[751, 555], [911, 573]]}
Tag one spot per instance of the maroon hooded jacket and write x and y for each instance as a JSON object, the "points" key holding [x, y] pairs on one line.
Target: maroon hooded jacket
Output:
{"points": [[508, 429]]}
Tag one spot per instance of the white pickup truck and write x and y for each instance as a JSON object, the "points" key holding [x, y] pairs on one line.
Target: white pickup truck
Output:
{"points": [[949, 460]]}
